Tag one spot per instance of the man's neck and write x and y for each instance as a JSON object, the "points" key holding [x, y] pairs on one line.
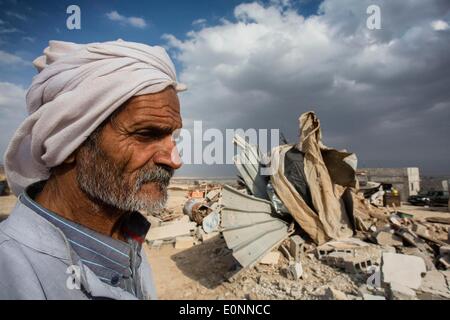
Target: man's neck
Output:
{"points": [[62, 195]]}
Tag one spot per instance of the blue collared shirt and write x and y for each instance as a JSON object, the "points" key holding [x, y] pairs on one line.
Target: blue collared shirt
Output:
{"points": [[35, 240]]}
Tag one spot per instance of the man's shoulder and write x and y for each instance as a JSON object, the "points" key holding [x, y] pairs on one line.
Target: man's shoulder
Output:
{"points": [[17, 277]]}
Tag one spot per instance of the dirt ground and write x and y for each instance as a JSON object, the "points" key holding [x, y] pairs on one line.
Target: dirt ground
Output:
{"points": [[201, 272]]}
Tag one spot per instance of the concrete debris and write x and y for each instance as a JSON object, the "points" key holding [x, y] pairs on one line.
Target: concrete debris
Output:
{"points": [[170, 231], [184, 242], [402, 269], [421, 229], [413, 251], [434, 286], [352, 255], [386, 238], [334, 294], [368, 296], [294, 271], [285, 252], [397, 291], [271, 258], [444, 258], [443, 220], [296, 247], [338, 239]]}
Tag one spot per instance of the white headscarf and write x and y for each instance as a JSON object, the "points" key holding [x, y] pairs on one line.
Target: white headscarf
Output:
{"points": [[79, 86]]}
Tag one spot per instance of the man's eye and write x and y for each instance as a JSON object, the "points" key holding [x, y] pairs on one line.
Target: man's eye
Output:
{"points": [[150, 134]]}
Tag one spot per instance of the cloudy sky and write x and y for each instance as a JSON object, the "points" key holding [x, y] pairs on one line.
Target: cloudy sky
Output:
{"points": [[383, 94]]}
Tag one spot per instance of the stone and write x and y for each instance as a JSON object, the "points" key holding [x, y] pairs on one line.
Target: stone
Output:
{"points": [[402, 269], [397, 291], [296, 293], [421, 229], [295, 246], [295, 271], [413, 251], [368, 296], [334, 294], [170, 231], [434, 286], [271, 258], [184, 242], [385, 238]]}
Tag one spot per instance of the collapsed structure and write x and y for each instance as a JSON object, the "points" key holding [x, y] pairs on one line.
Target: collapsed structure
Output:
{"points": [[311, 198]]}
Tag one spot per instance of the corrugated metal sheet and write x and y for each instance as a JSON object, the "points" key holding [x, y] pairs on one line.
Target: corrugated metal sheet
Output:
{"points": [[248, 163], [249, 228]]}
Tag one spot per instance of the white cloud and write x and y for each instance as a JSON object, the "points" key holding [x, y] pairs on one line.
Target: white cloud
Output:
{"points": [[371, 88], [199, 22], [29, 39], [12, 111], [16, 15], [7, 58], [9, 30], [439, 25], [132, 21]]}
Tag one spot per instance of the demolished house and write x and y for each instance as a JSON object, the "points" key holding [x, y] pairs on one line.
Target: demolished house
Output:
{"points": [[311, 203]]}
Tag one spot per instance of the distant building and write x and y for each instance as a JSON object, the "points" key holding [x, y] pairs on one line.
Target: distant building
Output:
{"points": [[434, 183], [405, 180]]}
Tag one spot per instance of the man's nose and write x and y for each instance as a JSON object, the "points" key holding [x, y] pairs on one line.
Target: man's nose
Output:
{"points": [[168, 155]]}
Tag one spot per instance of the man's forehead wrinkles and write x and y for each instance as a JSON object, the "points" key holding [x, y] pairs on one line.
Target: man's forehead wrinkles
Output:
{"points": [[164, 111], [155, 119]]}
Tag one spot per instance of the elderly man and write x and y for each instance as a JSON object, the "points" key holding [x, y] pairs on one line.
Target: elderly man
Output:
{"points": [[96, 148]]}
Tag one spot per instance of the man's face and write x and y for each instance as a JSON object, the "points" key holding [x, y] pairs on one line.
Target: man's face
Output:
{"points": [[129, 162]]}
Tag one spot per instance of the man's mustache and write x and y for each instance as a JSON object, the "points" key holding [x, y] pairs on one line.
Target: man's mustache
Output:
{"points": [[158, 174]]}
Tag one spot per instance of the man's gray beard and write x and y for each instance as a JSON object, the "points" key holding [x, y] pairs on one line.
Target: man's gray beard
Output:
{"points": [[103, 180]]}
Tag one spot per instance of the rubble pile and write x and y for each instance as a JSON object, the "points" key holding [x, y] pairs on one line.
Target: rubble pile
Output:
{"points": [[307, 230]]}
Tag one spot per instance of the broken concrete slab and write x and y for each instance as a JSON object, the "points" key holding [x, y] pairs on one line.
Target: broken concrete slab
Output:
{"points": [[184, 242], [397, 291], [402, 269], [368, 296], [427, 257], [170, 231], [421, 229], [386, 238], [295, 246], [271, 258], [213, 194], [434, 286]]}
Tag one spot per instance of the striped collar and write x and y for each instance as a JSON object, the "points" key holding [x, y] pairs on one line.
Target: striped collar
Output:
{"points": [[113, 261]]}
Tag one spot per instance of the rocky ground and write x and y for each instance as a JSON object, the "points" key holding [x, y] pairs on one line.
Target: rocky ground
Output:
{"points": [[202, 272]]}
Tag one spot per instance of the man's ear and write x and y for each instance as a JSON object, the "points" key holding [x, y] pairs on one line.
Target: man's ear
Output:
{"points": [[70, 159]]}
